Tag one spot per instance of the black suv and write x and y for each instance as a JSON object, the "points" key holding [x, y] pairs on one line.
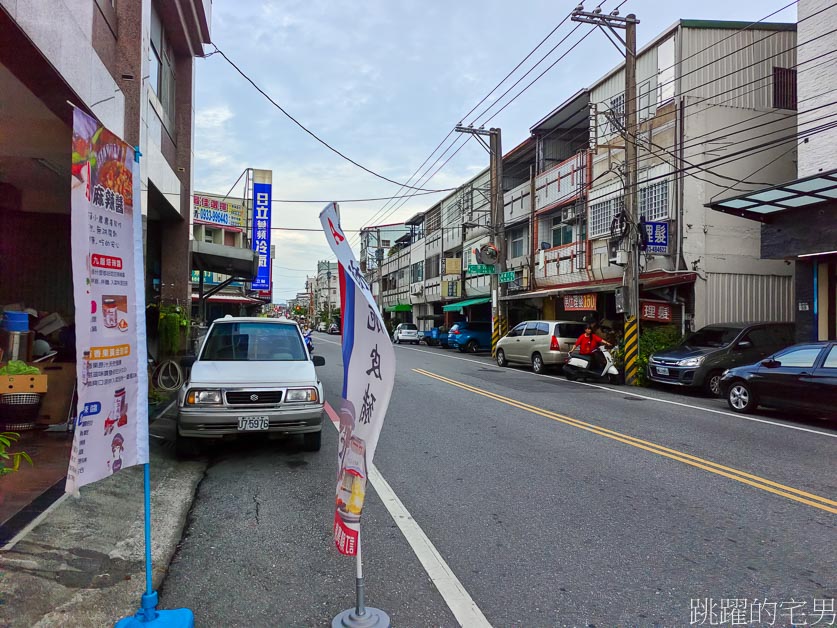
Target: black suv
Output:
{"points": [[701, 359]]}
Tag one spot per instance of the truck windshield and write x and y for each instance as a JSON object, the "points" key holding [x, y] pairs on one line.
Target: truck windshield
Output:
{"points": [[253, 342]]}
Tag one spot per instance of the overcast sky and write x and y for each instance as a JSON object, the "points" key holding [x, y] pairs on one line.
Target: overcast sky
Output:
{"points": [[384, 82]]}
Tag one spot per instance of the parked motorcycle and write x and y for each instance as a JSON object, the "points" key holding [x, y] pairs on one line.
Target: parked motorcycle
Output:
{"points": [[309, 341], [578, 366]]}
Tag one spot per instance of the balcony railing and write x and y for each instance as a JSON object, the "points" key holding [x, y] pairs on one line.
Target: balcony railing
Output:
{"points": [[517, 202], [562, 183], [561, 260]]}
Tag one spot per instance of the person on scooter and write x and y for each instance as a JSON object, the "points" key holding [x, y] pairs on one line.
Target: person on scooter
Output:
{"points": [[587, 344]]}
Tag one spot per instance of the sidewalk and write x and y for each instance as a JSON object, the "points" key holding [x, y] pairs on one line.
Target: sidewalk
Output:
{"points": [[83, 564]]}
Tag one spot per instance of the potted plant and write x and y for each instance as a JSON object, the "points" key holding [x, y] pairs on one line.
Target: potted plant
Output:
{"points": [[10, 460]]}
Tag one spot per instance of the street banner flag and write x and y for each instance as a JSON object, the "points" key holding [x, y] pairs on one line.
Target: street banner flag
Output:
{"points": [[368, 376], [111, 431]]}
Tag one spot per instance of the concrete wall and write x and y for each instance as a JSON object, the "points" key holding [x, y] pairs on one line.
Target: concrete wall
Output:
{"points": [[813, 79], [64, 31]]}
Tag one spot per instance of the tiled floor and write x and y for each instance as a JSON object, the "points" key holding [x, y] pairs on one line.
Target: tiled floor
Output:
{"points": [[50, 452]]}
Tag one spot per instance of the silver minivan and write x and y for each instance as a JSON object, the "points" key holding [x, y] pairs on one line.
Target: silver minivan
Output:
{"points": [[539, 343]]}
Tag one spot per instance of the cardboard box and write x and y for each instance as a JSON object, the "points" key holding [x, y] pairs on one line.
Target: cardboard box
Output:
{"points": [[23, 383], [56, 404]]}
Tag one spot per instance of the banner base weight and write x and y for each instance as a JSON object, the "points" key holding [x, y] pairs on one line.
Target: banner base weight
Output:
{"points": [[371, 618]]}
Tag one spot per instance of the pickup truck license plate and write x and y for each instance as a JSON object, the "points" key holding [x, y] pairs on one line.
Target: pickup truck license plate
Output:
{"points": [[661, 370], [253, 424]]}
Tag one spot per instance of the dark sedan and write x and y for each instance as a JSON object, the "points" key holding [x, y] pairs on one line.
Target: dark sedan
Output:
{"points": [[802, 377]]}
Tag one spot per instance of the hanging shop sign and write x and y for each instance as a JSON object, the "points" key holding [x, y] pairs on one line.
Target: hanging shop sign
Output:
{"points": [[657, 237], [451, 289], [368, 376], [578, 302], [213, 211], [451, 265], [261, 234], [655, 311], [111, 431]]}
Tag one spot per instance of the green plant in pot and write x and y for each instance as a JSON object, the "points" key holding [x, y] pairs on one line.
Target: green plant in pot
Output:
{"points": [[10, 460]]}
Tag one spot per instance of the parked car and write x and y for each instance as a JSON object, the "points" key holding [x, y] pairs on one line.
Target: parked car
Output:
{"points": [[470, 336], [801, 377], [322, 327], [251, 376], [540, 343], [700, 360], [405, 332], [333, 329]]}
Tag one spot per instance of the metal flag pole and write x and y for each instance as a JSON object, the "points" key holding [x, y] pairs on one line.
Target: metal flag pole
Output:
{"points": [[148, 615], [361, 616]]}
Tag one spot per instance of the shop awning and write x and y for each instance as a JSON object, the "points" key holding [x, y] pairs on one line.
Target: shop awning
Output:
{"points": [[229, 298], [455, 307], [649, 282], [401, 307], [224, 260], [801, 193]]}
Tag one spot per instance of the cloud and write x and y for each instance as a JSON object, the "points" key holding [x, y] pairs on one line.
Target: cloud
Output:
{"points": [[213, 117]]}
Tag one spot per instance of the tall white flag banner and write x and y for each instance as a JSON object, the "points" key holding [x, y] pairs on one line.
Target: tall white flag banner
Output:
{"points": [[368, 376], [111, 431]]}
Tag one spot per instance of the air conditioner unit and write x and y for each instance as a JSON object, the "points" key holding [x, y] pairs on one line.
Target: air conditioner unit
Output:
{"points": [[568, 214], [613, 251], [417, 290]]}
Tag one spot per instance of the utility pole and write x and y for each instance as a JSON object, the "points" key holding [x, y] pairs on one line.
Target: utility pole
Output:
{"points": [[630, 278], [495, 152]]}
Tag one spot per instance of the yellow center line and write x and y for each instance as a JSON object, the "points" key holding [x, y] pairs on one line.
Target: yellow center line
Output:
{"points": [[764, 484]]}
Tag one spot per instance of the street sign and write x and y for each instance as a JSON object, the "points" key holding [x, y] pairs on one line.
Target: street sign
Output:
{"points": [[481, 269], [507, 277]]}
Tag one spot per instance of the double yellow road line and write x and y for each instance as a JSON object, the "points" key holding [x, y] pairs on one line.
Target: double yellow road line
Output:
{"points": [[803, 497]]}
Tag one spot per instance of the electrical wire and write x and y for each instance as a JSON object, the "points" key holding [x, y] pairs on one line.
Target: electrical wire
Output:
{"points": [[314, 135], [374, 217], [738, 51]]}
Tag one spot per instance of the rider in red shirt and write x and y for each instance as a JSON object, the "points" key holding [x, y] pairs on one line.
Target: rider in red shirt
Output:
{"points": [[588, 342]]}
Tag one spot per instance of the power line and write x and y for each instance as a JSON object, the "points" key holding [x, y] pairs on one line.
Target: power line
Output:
{"points": [[483, 100], [738, 51], [311, 133]]}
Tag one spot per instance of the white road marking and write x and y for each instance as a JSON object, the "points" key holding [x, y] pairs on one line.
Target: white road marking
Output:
{"points": [[646, 397], [461, 604]]}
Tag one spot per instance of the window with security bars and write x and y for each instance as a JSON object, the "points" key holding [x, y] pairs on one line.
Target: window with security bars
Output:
{"points": [[653, 201], [784, 88], [601, 215]]}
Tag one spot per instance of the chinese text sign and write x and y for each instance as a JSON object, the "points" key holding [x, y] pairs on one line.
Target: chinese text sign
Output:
{"points": [[112, 426], [261, 234], [368, 376]]}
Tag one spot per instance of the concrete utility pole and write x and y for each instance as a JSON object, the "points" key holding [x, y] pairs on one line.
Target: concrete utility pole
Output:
{"points": [[495, 152], [630, 278]]}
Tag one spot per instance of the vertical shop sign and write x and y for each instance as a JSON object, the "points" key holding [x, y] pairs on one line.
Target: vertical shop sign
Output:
{"points": [[111, 431], [368, 375], [261, 234]]}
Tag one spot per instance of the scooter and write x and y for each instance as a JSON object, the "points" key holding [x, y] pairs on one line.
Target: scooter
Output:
{"points": [[309, 341], [577, 366]]}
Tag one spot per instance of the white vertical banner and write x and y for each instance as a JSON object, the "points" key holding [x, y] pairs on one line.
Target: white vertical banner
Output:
{"points": [[111, 431], [368, 376]]}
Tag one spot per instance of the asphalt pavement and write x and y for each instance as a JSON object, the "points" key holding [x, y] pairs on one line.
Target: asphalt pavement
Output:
{"points": [[542, 502]]}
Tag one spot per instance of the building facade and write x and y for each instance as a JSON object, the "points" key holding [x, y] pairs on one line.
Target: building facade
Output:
{"points": [[798, 218]]}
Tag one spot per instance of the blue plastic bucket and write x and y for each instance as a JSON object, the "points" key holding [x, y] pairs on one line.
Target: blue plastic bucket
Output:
{"points": [[16, 321]]}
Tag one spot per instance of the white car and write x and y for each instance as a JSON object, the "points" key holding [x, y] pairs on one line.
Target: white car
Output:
{"points": [[405, 332], [252, 376], [322, 327]]}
